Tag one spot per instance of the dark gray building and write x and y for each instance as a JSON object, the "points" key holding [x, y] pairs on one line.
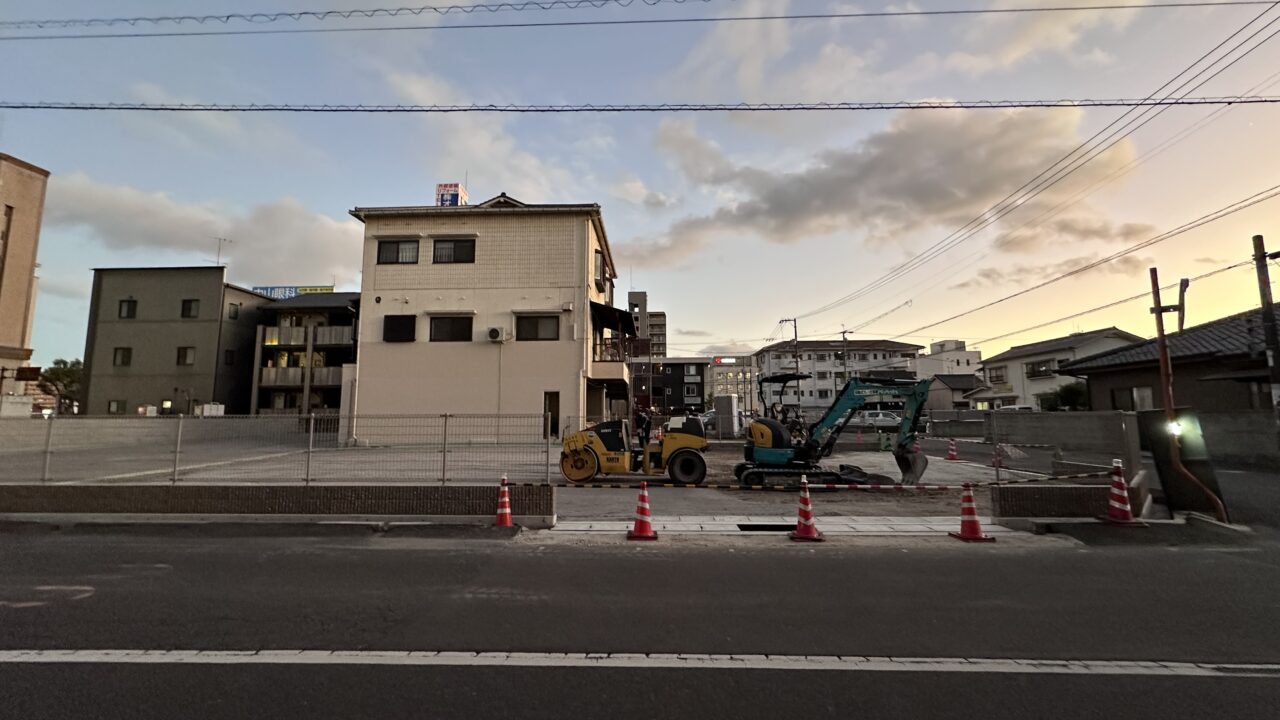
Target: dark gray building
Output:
{"points": [[302, 344], [173, 338], [679, 385]]}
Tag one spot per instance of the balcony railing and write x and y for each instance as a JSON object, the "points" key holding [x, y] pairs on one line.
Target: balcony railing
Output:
{"points": [[609, 350], [333, 335], [281, 376], [326, 376], [284, 336]]}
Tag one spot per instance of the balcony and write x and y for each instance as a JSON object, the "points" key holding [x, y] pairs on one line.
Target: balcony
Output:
{"points": [[278, 376], [609, 360], [284, 336], [326, 376], [333, 335]]}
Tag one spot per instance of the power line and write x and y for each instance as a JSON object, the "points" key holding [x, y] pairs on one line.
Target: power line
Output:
{"points": [[1268, 194], [1108, 306], [323, 15], [847, 106], [1056, 171]]}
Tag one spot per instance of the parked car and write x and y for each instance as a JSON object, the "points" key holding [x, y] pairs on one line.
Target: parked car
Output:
{"points": [[876, 419]]}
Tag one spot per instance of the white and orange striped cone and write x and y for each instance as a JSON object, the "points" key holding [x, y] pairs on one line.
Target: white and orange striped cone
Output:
{"points": [[951, 450], [1118, 510], [643, 529], [805, 530], [503, 518], [970, 526]]}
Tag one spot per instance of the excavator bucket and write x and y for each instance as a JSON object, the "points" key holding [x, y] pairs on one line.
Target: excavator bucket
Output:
{"points": [[912, 465]]}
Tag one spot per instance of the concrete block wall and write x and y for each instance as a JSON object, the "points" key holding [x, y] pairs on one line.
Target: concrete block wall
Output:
{"points": [[957, 428], [1243, 438]]}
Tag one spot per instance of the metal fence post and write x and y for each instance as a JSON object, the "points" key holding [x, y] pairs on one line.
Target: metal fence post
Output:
{"points": [[444, 451], [546, 436], [311, 446], [177, 448], [48, 449]]}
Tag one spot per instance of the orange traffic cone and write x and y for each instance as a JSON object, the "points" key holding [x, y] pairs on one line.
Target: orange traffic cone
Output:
{"points": [[643, 529], [1118, 510], [504, 506], [970, 527], [951, 450], [805, 530]]}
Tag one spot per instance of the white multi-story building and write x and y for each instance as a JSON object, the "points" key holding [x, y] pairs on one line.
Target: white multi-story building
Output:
{"points": [[733, 375], [1026, 374], [948, 357], [831, 363], [501, 307]]}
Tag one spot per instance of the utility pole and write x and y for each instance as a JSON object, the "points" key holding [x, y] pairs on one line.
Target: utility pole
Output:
{"points": [[1166, 390], [844, 347], [1260, 258]]}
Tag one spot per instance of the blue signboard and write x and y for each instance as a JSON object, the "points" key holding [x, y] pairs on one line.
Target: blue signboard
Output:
{"points": [[284, 292]]}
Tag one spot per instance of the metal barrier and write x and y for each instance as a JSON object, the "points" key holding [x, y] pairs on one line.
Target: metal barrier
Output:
{"points": [[279, 448]]}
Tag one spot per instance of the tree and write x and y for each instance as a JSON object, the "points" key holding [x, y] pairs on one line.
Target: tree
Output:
{"points": [[1074, 396], [62, 380]]}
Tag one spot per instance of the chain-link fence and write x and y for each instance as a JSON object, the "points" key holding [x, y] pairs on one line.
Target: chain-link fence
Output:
{"points": [[280, 448]]}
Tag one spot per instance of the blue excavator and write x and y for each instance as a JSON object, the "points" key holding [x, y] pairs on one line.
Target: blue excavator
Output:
{"points": [[780, 448]]}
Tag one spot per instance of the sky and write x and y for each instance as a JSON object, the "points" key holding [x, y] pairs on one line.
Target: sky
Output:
{"points": [[730, 221]]}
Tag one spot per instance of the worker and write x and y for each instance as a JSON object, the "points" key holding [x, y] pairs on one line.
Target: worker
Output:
{"points": [[643, 425]]}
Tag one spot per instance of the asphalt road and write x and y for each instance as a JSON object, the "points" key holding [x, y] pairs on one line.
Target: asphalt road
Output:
{"points": [[62, 591]]}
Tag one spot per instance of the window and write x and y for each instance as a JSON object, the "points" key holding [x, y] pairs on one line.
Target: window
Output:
{"points": [[820, 357], [229, 357], [399, 328], [128, 309], [691, 371], [840, 377], [451, 328], [233, 311], [1039, 369], [824, 375], [538, 327], [458, 250], [186, 356], [824, 394], [1143, 399], [122, 357], [115, 407], [397, 252], [997, 375], [691, 391], [190, 308], [599, 268]]}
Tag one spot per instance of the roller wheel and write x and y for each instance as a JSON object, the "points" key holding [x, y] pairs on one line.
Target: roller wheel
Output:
{"points": [[739, 469], [751, 478], [687, 467], [579, 465]]}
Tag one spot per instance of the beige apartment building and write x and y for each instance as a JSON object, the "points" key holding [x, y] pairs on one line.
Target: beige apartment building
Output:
{"points": [[497, 308], [22, 189]]}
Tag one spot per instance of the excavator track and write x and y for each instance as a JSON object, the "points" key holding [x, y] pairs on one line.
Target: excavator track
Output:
{"points": [[761, 476]]}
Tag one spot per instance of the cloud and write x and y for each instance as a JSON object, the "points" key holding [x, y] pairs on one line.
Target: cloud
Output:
{"points": [[737, 55], [693, 333], [926, 169], [634, 191], [1000, 42], [1080, 227], [1210, 260], [65, 287], [281, 242], [480, 145], [1019, 275], [729, 348], [214, 132]]}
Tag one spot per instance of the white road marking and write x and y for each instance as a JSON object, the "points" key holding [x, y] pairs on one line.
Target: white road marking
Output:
{"points": [[687, 661]]}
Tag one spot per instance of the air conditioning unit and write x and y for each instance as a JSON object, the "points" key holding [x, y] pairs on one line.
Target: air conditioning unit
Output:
{"points": [[497, 335]]}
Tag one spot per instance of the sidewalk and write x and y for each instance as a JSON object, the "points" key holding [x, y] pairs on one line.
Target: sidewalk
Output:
{"points": [[777, 524]]}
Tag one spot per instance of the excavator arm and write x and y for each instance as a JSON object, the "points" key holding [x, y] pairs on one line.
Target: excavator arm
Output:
{"points": [[826, 430]]}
